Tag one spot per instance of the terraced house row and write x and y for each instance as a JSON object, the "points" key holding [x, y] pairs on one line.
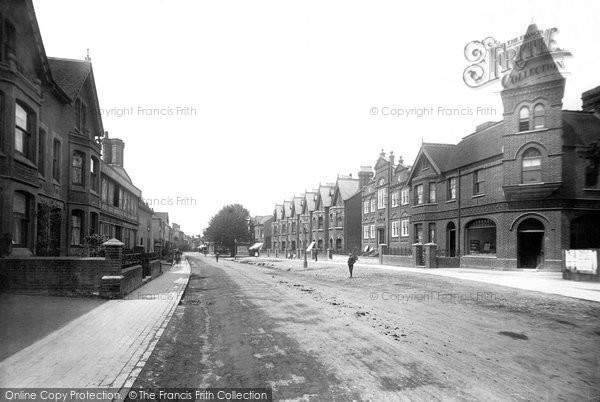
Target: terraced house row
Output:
{"points": [[514, 193], [62, 180]]}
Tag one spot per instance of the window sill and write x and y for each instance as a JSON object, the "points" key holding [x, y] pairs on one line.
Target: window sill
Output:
{"points": [[22, 159], [489, 256], [592, 189], [535, 130], [478, 196], [452, 200]]}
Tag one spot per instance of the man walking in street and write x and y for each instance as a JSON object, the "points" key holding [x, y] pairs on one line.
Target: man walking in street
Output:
{"points": [[351, 260], [217, 256]]}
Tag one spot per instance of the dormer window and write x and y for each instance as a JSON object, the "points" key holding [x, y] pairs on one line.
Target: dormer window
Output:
{"points": [[524, 119], [539, 116]]}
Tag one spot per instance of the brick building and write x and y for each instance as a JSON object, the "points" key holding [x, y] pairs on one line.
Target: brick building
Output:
{"points": [[320, 217], [279, 228], [308, 207], [515, 192], [120, 197], [49, 142], [345, 216], [262, 226], [144, 233]]}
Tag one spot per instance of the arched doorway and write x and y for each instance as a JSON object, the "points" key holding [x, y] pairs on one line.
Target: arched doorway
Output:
{"points": [[451, 239], [338, 245], [530, 243]]}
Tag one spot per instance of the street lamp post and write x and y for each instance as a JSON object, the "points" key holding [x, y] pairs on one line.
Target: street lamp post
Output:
{"points": [[305, 262]]}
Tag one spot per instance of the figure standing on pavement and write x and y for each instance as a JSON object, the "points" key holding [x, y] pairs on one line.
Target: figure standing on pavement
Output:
{"points": [[351, 260], [217, 256]]}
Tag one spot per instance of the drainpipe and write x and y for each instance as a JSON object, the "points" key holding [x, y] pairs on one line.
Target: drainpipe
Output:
{"points": [[458, 231]]}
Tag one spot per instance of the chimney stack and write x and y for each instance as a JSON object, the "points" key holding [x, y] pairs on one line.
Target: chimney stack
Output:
{"points": [[364, 175], [113, 149]]}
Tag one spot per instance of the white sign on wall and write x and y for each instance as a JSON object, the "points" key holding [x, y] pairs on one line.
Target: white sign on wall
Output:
{"points": [[584, 261]]}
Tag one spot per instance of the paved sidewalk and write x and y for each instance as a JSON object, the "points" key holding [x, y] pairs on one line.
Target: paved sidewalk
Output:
{"points": [[540, 281], [104, 348]]}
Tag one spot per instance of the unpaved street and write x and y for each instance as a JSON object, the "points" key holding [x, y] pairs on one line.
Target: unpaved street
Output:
{"points": [[314, 334]]}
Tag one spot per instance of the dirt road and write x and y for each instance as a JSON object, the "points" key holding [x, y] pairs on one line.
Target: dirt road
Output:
{"points": [[314, 334]]}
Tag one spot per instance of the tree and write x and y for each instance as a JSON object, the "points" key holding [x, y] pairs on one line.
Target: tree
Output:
{"points": [[229, 225]]}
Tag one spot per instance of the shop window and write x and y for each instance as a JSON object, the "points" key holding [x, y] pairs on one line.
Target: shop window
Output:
{"points": [[481, 236], [531, 166], [524, 119]]}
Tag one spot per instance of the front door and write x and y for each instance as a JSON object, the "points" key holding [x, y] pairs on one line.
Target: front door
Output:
{"points": [[381, 236], [530, 244]]}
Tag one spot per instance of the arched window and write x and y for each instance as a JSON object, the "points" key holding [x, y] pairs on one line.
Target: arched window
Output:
{"points": [[481, 236], [320, 222], [539, 116], [524, 119], [77, 165], [531, 166]]}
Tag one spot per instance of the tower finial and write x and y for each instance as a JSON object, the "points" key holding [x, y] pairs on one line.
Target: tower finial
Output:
{"points": [[87, 56]]}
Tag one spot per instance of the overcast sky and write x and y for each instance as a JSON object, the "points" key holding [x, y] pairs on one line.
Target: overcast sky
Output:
{"points": [[275, 97]]}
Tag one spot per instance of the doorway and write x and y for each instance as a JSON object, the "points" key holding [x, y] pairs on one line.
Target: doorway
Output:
{"points": [[530, 244], [381, 236], [451, 239]]}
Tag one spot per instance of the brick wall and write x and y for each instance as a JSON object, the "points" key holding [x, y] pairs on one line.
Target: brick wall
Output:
{"points": [[63, 276]]}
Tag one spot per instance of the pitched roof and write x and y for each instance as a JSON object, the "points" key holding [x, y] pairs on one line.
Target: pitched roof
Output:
{"points": [[325, 194], [580, 128], [278, 212], [287, 208], [297, 205], [475, 147], [540, 60], [348, 187], [164, 216], [69, 74], [263, 219], [311, 198]]}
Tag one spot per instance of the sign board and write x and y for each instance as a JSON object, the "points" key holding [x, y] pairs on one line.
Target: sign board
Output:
{"points": [[310, 247], [582, 261]]}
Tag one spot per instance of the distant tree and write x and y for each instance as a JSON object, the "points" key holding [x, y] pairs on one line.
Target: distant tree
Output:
{"points": [[227, 226]]}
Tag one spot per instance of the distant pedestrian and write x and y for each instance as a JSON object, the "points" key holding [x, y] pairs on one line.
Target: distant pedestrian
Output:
{"points": [[217, 256], [351, 260]]}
